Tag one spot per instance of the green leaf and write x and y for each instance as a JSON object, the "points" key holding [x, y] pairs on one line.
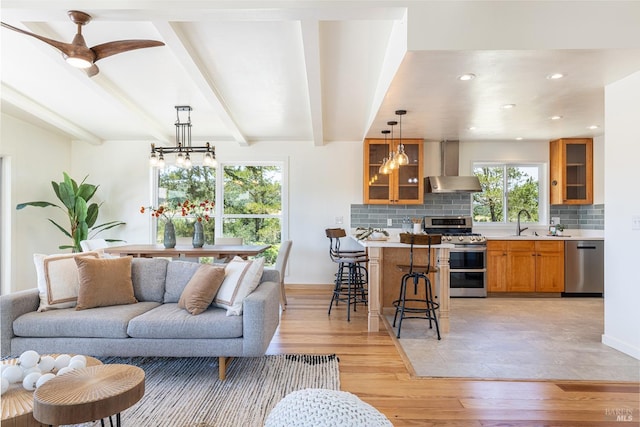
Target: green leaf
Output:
{"points": [[67, 196], [60, 228], [82, 232], [81, 210], [56, 189], [107, 225], [86, 191], [36, 204], [92, 214], [70, 182]]}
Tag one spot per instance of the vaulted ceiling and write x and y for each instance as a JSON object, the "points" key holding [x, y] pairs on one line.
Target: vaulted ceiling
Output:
{"points": [[318, 72]]}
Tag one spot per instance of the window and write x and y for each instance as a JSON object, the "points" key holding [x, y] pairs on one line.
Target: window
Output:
{"points": [[249, 201], [507, 189]]}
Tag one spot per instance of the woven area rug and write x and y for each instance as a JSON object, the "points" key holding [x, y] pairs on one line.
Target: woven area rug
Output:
{"points": [[186, 392]]}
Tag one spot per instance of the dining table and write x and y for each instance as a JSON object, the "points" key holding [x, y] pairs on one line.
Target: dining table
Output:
{"points": [[224, 252]]}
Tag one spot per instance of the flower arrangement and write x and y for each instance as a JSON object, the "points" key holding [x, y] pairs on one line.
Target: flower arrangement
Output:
{"points": [[199, 210]]}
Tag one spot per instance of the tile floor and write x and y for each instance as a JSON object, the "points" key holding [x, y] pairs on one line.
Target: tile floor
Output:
{"points": [[518, 338]]}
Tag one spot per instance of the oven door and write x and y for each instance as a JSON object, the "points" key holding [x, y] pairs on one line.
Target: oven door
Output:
{"points": [[468, 272]]}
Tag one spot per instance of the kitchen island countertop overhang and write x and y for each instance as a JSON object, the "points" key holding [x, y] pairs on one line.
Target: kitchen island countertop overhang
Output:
{"points": [[376, 249]]}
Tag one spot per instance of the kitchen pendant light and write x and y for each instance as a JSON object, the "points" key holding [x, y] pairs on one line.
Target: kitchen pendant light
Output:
{"points": [[384, 169], [401, 157], [392, 162]]}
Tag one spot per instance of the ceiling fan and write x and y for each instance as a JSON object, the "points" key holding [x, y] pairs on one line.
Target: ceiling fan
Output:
{"points": [[78, 54]]}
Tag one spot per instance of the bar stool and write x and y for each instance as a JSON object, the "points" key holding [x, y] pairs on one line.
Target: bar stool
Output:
{"points": [[418, 308], [352, 276]]}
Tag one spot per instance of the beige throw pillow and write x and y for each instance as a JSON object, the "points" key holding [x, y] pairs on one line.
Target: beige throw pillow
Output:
{"points": [[57, 279], [104, 282], [242, 278], [202, 287]]}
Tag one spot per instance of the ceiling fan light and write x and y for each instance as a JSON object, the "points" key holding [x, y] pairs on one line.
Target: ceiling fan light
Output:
{"points": [[78, 62]]}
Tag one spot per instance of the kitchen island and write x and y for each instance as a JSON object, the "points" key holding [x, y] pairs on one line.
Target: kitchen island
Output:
{"points": [[383, 279]]}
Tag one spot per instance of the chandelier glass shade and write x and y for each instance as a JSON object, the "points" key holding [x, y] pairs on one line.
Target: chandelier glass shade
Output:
{"points": [[183, 148]]}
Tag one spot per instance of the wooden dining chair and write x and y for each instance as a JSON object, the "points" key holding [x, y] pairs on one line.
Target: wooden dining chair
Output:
{"points": [[227, 241]]}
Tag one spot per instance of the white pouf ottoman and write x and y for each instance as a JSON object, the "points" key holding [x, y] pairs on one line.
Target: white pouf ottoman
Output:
{"points": [[315, 407]]}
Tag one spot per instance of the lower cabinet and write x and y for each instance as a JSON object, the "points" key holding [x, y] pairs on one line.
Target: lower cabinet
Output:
{"points": [[525, 266]]}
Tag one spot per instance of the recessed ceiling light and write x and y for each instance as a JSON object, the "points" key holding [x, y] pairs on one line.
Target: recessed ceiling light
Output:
{"points": [[556, 117], [519, 138], [592, 127], [471, 128], [555, 76], [508, 106], [466, 77]]}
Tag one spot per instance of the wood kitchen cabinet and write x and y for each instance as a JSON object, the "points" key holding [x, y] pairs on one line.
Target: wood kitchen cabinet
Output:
{"points": [[525, 266], [402, 186], [571, 171]]}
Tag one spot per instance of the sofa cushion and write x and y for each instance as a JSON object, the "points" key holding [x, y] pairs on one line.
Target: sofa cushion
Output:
{"points": [[57, 279], [242, 278], [170, 321], [178, 275], [199, 292], [102, 322], [104, 282], [148, 277]]}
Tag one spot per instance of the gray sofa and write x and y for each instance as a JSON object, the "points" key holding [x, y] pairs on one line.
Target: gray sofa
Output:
{"points": [[155, 326]]}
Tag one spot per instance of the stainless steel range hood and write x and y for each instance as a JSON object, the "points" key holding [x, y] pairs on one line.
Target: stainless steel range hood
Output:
{"points": [[449, 181]]}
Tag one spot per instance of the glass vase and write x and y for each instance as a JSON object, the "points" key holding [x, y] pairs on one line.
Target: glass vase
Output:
{"points": [[169, 235], [198, 235]]}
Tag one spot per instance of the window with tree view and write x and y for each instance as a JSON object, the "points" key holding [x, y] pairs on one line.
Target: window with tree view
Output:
{"points": [[248, 204], [506, 190]]}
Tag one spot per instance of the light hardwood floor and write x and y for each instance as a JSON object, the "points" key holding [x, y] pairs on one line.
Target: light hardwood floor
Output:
{"points": [[372, 368]]}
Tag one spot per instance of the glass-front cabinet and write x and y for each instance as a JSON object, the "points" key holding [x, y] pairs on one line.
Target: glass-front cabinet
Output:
{"points": [[403, 185], [571, 171]]}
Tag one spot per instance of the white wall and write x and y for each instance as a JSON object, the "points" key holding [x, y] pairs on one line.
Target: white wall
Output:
{"points": [[32, 158], [622, 202]]}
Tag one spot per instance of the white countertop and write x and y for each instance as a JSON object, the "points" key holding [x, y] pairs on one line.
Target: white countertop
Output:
{"points": [[394, 242]]}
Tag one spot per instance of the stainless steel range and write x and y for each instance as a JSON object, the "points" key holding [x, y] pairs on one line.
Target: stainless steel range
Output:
{"points": [[468, 259]]}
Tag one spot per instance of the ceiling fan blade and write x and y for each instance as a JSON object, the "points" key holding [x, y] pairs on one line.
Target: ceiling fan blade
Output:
{"points": [[65, 48], [112, 48], [92, 71]]}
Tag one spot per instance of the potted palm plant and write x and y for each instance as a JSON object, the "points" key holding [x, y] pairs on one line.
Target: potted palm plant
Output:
{"points": [[82, 215]]}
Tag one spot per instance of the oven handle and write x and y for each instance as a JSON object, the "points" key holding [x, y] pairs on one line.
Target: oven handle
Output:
{"points": [[468, 249]]}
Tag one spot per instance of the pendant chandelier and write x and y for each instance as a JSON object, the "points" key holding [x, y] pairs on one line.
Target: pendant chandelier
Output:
{"points": [[183, 146], [397, 157]]}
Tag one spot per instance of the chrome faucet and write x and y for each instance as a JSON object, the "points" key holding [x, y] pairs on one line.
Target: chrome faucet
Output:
{"points": [[518, 229]]}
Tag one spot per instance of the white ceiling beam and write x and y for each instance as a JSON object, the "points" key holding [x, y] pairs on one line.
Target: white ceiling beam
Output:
{"points": [[188, 57], [30, 106], [311, 48]]}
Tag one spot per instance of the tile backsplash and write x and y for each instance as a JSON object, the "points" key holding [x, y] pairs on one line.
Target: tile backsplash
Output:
{"points": [[574, 216], [434, 204]]}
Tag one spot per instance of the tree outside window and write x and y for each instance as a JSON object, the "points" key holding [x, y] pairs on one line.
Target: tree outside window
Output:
{"points": [[248, 204], [506, 189]]}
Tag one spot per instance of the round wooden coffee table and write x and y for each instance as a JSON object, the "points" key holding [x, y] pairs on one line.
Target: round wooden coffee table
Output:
{"points": [[88, 394], [17, 403]]}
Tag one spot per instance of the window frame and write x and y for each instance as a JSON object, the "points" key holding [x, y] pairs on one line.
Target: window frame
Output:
{"points": [[219, 197], [543, 190]]}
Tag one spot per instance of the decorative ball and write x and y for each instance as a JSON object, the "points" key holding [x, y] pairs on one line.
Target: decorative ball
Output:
{"points": [[13, 374], [5, 385], [64, 370], [77, 364], [79, 357], [47, 363], [3, 367], [26, 372], [29, 382], [28, 359], [62, 361], [43, 379]]}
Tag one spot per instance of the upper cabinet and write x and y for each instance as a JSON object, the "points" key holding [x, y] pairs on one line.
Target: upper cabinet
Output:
{"points": [[404, 185], [571, 171]]}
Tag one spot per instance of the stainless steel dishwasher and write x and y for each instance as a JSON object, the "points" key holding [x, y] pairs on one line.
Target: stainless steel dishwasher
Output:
{"points": [[583, 268]]}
